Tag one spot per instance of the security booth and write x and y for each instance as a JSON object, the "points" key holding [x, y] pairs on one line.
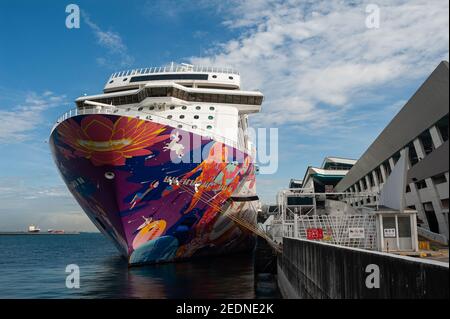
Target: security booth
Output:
{"points": [[396, 231]]}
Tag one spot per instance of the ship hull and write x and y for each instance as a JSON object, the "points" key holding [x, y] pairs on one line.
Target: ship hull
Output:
{"points": [[160, 194]]}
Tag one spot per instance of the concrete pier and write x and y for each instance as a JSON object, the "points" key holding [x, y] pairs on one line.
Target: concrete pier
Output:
{"points": [[311, 269]]}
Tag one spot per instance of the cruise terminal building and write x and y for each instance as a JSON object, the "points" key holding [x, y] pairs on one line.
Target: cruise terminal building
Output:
{"points": [[421, 126]]}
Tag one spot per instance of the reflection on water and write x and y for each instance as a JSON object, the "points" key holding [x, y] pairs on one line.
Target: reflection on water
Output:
{"points": [[104, 274], [219, 277]]}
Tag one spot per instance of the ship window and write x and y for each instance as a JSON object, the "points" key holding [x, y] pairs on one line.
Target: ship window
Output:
{"points": [[196, 117], [198, 108], [209, 127], [211, 108], [230, 77], [151, 108], [169, 116], [194, 126], [172, 107], [125, 79], [140, 109], [210, 117], [214, 76], [236, 99], [111, 81], [180, 126], [222, 98], [214, 98], [184, 107], [229, 98], [181, 116]]}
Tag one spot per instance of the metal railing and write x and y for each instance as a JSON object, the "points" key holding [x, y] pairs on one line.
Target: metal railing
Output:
{"points": [[174, 68], [145, 115]]}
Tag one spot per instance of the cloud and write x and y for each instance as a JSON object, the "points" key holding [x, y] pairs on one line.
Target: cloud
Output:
{"points": [[316, 61], [20, 120], [110, 40]]}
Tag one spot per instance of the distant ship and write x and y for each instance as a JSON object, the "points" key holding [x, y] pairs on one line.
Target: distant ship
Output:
{"points": [[162, 163], [33, 229]]}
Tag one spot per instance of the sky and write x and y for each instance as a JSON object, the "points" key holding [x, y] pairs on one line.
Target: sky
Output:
{"points": [[331, 83]]}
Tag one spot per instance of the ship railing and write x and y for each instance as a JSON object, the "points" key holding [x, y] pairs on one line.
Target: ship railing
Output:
{"points": [[174, 68], [150, 116]]}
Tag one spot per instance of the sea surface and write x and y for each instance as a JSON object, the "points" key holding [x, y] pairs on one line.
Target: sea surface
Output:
{"points": [[35, 267]]}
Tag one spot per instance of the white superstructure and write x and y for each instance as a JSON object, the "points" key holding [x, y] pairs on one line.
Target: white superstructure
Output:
{"points": [[202, 100]]}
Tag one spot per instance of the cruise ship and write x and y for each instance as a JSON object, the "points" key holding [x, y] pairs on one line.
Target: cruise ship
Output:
{"points": [[162, 162]]}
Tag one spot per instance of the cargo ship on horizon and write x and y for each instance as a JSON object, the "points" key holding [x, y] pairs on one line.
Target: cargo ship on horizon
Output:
{"points": [[162, 162]]}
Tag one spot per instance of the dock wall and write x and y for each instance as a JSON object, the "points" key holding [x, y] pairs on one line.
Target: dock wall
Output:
{"points": [[309, 269]]}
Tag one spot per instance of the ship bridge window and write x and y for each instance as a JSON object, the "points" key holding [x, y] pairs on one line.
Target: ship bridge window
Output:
{"points": [[186, 96], [162, 77]]}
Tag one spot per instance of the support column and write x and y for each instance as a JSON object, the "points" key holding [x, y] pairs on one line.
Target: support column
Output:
{"points": [[435, 199], [383, 173], [391, 163], [361, 187], [436, 136]]}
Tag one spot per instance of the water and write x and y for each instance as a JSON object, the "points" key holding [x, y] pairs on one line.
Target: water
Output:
{"points": [[34, 267]]}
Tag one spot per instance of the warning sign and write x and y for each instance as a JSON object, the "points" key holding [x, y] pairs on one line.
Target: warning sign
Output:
{"points": [[314, 233]]}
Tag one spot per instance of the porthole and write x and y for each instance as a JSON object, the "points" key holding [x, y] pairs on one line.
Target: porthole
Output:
{"points": [[211, 108], [128, 109], [198, 108], [169, 116], [172, 107], [182, 116], [125, 79], [109, 175], [214, 76], [230, 77], [151, 108], [184, 107], [196, 117], [209, 127], [210, 117], [180, 126], [111, 81], [194, 127], [140, 109]]}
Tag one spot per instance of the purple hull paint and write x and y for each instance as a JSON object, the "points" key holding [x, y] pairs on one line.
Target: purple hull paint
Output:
{"points": [[121, 172]]}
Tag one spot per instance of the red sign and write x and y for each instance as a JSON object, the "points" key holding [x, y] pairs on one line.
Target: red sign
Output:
{"points": [[314, 233]]}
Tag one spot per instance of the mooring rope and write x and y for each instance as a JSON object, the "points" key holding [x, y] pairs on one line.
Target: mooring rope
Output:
{"points": [[238, 220]]}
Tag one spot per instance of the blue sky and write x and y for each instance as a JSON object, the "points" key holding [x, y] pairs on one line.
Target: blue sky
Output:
{"points": [[331, 84]]}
